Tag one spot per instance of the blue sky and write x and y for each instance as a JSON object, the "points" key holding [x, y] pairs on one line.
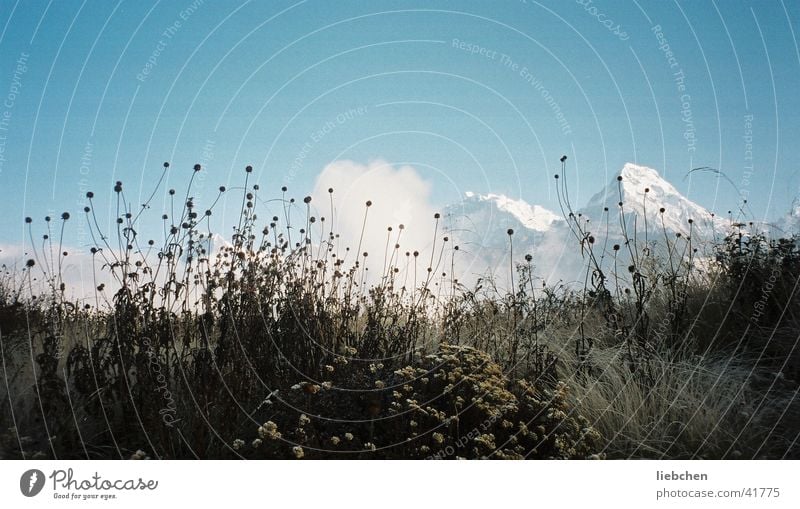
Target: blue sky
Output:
{"points": [[476, 95]]}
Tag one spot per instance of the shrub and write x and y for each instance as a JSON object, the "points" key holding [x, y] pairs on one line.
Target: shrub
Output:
{"points": [[455, 403]]}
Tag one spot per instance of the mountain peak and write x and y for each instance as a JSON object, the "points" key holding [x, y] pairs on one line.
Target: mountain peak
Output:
{"points": [[533, 217], [643, 191], [636, 171], [635, 179]]}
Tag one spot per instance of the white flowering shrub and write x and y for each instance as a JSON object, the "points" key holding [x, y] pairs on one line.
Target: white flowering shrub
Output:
{"points": [[454, 403]]}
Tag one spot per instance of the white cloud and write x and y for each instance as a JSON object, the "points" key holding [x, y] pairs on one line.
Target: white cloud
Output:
{"points": [[76, 269], [399, 195]]}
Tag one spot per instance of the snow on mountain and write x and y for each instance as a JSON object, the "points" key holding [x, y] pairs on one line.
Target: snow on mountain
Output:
{"points": [[533, 217], [215, 243], [212, 244], [479, 223], [643, 193], [790, 223], [483, 220]]}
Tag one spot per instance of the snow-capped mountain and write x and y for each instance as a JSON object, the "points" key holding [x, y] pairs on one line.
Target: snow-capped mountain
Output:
{"points": [[212, 244], [533, 217], [215, 243], [790, 224], [643, 194], [480, 223]]}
